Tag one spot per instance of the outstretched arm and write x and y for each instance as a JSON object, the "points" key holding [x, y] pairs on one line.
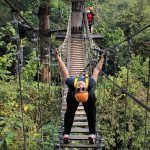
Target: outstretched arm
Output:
{"points": [[62, 65], [98, 68]]}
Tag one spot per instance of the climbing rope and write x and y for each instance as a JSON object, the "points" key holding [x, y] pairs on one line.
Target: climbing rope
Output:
{"points": [[64, 48], [126, 96], [21, 103], [19, 67]]}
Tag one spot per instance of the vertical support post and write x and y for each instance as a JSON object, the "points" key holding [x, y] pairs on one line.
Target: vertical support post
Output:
{"points": [[146, 112], [20, 91], [19, 64], [44, 26], [127, 82]]}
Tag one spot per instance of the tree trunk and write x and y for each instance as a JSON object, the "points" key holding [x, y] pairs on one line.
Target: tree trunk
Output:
{"points": [[44, 27]]}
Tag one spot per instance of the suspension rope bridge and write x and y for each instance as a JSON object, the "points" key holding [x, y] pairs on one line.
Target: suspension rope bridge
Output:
{"points": [[78, 49]]}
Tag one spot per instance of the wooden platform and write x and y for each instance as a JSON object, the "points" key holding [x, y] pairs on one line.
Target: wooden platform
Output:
{"points": [[81, 145], [94, 36]]}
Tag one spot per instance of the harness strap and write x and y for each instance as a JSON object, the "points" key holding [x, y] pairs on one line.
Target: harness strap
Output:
{"points": [[86, 81], [75, 81]]}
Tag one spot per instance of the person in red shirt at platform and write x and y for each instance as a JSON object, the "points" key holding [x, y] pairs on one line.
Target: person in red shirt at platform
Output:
{"points": [[90, 18]]}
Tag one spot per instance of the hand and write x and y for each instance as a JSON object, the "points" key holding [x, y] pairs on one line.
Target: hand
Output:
{"points": [[55, 52], [104, 54]]}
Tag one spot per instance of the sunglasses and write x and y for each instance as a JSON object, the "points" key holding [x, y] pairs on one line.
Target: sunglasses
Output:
{"points": [[80, 89]]}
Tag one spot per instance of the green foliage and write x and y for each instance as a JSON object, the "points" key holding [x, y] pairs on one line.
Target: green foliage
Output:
{"points": [[31, 67], [112, 16], [59, 15], [40, 105], [5, 63], [139, 68], [41, 102], [7, 30], [8, 51], [117, 126], [11, 123]]}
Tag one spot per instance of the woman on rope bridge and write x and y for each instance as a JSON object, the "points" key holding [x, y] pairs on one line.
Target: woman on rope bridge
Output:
{"points": [[80, 89]]}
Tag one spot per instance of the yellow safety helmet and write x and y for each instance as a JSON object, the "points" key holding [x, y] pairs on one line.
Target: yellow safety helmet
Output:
{"points": [[82, 96]]}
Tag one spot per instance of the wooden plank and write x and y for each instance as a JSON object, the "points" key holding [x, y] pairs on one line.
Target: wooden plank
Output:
{"points": [[80, 130], [80, 123], [74, 41], [80, 104], [77, 42], [77, 67], [76, 36], [77, 137], [65, 104], [77, 130], [77, 47], [81, 145], [80, 118], [79, 107], [74, 56], [75, 72], [93, 36], [80, 113]]}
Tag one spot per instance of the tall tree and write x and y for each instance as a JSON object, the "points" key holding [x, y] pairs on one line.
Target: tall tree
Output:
{"points": [[44, 27]]}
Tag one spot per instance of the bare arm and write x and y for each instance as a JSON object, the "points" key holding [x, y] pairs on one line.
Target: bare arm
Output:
{"points": [[97, 69], [62, 66]]}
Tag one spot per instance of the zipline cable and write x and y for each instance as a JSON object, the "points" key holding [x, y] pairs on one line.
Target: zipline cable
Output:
{"points": [[129, 94], [16, 10]]}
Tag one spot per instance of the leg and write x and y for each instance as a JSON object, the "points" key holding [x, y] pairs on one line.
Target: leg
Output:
{"points": [[72, 105], [90, 109], [90, 26], [91, 29]]}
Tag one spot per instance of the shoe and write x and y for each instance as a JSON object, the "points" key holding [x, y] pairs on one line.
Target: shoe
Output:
{"points": [[92, 139], [66, 139]]}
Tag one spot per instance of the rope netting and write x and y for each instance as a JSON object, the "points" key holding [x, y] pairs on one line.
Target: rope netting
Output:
{"points": [[64, 48]]}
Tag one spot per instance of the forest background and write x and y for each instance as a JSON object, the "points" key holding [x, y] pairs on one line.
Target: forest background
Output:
{"points": [[30, 111]]}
